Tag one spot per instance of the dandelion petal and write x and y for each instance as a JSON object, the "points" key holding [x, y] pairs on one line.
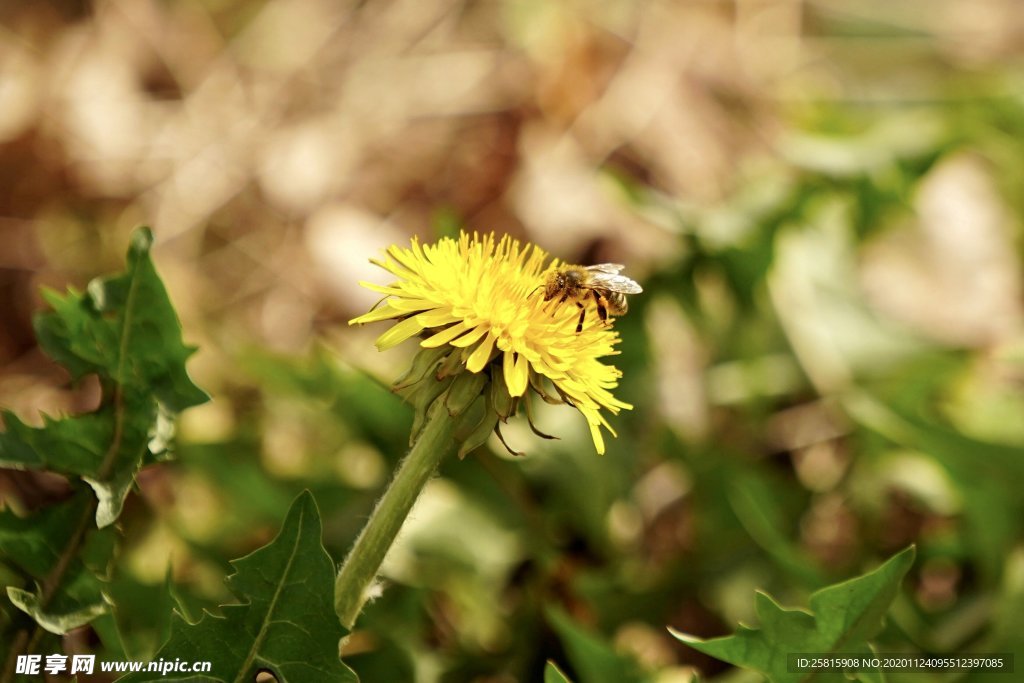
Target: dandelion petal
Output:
{"points": [[399, 333], [481, 354]]}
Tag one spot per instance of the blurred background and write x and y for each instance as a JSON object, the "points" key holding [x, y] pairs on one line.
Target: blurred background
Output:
{"points": [[821, 198]]}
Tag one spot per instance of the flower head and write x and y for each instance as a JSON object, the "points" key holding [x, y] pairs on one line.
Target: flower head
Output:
{"points": [[479, 303]]}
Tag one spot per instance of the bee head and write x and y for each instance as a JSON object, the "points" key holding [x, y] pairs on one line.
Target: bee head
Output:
{"points": [[554, 285]]}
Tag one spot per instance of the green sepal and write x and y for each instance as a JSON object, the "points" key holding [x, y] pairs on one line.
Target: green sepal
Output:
{"points": [[537, 383], [453, 364], [423, 363], [470, 418], [477, 434], [530, 422], [466, 388], [501, 401], [421, 401]]}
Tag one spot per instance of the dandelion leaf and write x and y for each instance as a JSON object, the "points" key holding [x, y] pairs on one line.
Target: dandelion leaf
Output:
{"points": [[842, 619], [285, 624], [125, 331], [38, 544]]}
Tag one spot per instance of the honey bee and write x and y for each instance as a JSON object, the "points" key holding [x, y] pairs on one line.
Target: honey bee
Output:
{"points": [[602, 281]]}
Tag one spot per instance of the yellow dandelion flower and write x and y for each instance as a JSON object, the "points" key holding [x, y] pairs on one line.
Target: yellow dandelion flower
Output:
{"points": [[482, 301]]}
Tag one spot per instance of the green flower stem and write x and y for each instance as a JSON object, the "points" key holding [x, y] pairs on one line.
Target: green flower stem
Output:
{"points": [[360, 568]]}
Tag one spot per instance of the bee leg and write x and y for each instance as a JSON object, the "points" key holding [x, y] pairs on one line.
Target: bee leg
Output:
{"points": [[602, 306], [560, 301], [583, 312]]}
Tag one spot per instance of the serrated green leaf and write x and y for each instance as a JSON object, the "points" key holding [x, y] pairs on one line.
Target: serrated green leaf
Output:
{"points": [[552, 674], [594, 660], [105, 448], [842, 618], [74, 445], [287, 623], [39, 544], [125, 330]]}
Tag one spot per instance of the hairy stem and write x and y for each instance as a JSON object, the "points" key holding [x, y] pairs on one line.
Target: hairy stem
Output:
{"points": [[364, 559]]}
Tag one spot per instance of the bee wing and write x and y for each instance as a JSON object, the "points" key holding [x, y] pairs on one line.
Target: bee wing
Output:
{"points": [[610, 268], [614, 282]]}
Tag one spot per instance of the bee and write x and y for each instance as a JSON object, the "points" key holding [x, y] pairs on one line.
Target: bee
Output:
{"points": [[602, 281]]}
